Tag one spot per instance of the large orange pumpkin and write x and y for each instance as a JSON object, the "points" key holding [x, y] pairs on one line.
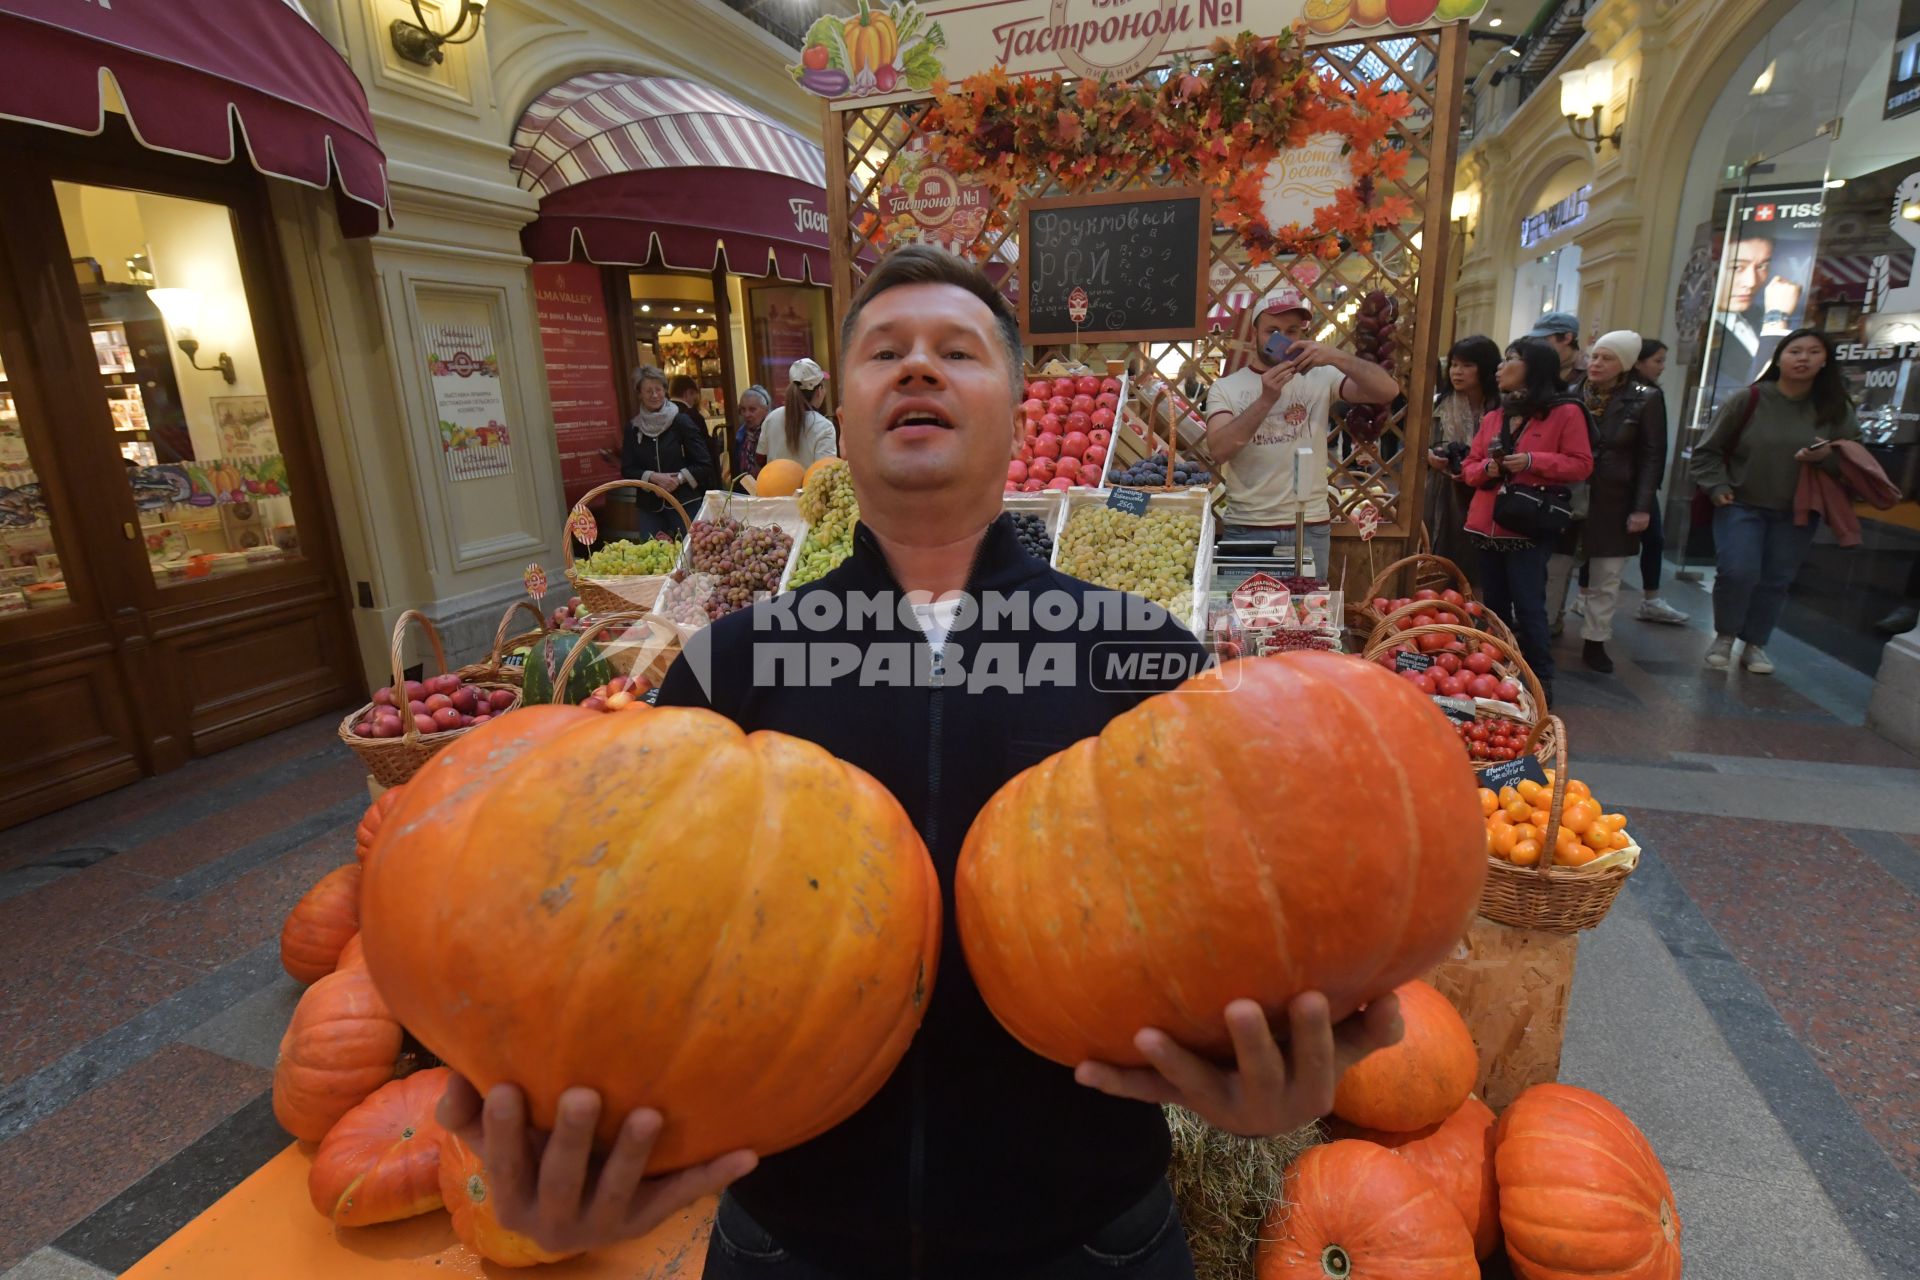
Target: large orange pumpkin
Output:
{"points": [[1581, 1191], [320, 924], [468, 1195], [381, 1162], [1457, 1154], [369, 828], [1420, 1081], [1285, 824], [342, 1043], [738, 930], [1355, 1211]]}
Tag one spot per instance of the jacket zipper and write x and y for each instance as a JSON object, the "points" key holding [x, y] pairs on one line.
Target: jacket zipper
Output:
{"points": [[917, 1147]]}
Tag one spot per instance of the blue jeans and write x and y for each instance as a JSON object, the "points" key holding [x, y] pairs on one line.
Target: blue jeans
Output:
{"points": [[1146, 1242], [1757, 552], [1513, 583]]}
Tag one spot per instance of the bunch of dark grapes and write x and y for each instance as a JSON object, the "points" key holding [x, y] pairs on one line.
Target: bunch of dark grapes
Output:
{"points": [[1032, 530], [1151, 473], [729, 564]]}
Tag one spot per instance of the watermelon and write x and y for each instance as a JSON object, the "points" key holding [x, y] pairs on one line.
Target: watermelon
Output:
{"points": [[543, 668]]}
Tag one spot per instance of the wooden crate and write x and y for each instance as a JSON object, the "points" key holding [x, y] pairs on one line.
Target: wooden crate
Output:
{"points": [[1512, 987], [1049, 504], [1194, 499]]}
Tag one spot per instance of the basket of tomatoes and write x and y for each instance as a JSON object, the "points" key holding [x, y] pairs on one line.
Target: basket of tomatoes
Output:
{"points": [[1556, 859], [1453, 660]]}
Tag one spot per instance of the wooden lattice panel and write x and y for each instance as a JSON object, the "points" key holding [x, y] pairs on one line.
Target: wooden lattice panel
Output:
{"points": [[1389, 472]]}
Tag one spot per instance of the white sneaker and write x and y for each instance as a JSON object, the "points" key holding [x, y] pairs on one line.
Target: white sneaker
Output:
{"points": [[1755, 659], [1658, 610], [1720, 655]]}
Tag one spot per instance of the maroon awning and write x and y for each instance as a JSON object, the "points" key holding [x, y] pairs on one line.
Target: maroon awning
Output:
{"points": [[201, 78], [646, 170], [687, 220]]}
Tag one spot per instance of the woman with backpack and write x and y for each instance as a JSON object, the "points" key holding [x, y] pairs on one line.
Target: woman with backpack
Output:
{"points": [[1749, 466], [1528, 451]]}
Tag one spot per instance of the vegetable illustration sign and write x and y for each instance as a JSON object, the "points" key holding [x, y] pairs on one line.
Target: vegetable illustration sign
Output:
{"points": [[883, 48]]}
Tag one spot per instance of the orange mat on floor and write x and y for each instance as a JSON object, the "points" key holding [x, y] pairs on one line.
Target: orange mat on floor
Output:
{"points": [[266, 1227]]}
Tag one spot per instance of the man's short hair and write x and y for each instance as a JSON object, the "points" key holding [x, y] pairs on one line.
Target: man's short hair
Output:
{"points": [[683, 388], [929, 264]]}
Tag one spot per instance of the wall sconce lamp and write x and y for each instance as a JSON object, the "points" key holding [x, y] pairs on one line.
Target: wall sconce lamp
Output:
{"points": [[1465, 212], [180, 309], [418, 42], [1584, 94]]}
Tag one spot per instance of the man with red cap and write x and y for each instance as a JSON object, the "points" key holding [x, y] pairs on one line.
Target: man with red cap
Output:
{"points": [[1261, 418]]}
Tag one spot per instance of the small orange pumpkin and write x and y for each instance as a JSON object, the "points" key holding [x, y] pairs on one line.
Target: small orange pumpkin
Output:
{"points": [[1581, 1191], [352, 954], [320, 924], [1457, 1154], [369, 828], [1356, 1211], [381, 1162], [342, 1043], [468, 1195], [1420, 1081]]}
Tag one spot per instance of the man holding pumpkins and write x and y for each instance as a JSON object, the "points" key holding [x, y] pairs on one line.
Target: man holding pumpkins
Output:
{"points": [[978, 1158]]}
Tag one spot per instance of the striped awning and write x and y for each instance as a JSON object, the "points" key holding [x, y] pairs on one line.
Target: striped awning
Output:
{"points": [[645, 170]]}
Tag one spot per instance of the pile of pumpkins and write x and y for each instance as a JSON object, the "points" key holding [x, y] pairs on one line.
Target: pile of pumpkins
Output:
{"points": [[348, 1081], [1421, 1179], [1137, 906]]}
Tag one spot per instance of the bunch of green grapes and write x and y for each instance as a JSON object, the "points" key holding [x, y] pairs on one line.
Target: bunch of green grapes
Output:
{"points": [[632, 559], [1151, 555], [830, 510]]}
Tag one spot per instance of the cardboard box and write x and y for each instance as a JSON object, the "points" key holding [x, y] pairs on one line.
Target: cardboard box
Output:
{"points": [[1512, 987]]}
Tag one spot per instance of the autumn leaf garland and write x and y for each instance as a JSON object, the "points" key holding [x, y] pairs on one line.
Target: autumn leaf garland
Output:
{"points": [[1217, 122]]}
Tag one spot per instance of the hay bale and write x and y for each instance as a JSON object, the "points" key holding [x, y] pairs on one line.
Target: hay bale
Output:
{"points": [[1224, 1186]]}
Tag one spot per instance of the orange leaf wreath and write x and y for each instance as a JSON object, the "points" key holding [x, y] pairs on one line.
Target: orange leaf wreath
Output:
{"points": [[1216, 123]]}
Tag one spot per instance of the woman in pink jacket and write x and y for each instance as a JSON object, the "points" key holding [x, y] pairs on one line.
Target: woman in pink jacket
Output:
{"points": [[1537, 436]]}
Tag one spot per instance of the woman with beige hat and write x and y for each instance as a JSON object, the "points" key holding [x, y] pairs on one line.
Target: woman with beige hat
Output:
{"points": [[799, 431], [1630, 453]]}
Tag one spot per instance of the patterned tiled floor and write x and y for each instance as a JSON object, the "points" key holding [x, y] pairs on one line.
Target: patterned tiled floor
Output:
{"points": [[143, 998]]}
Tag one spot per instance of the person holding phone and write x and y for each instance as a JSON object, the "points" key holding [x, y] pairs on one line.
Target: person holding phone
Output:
{"points": [[1260, 417], [1749, 466]]}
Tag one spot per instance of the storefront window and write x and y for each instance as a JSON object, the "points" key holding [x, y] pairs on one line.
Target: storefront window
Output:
{"points": [[31, 576], [676, 330], [1802, 208], [789, 322], [181, 375]]}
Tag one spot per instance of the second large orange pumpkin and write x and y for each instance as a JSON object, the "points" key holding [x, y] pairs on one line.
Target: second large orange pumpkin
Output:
{"points": [[1420, 1081], [737, 930], [1295, 823]]}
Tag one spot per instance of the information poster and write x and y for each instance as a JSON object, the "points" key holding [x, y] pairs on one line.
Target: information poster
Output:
{"points": [[574, 340], [784, 319], [468, 400]]}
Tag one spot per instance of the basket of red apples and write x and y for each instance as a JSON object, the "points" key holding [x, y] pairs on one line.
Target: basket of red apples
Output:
{"points": [[405, 723]]}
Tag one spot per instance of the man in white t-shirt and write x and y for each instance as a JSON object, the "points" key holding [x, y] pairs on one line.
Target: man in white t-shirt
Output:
{"points": [[1261, 417]]}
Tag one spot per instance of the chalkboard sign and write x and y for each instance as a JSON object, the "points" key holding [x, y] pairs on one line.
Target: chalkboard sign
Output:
{"points": [[1412, 661], [651, 697], [1508, 773], [1131, 501], [1141, 256], [1459, 710]]}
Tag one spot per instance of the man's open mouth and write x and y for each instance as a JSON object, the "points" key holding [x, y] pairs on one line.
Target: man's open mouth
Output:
{"points": [[915, 416]]}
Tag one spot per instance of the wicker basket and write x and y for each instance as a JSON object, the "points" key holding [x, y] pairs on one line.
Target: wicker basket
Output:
{"points": [[1543, 736], [1486, 620], [496, 667], [1548, 897], [393, 761], [648, 658], [617, 595]]}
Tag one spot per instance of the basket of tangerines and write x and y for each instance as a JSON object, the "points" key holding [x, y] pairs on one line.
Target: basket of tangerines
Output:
{"points": [[1556, 858]]}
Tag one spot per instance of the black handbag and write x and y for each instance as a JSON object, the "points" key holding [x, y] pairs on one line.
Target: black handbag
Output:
{"points": [[1534, 511]]}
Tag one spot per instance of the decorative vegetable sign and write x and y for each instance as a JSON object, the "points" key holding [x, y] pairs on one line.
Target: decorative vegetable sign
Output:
{"points": [[894, 52], [1138, 258], [1077, 305], [536, 580], [583, 527]]}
